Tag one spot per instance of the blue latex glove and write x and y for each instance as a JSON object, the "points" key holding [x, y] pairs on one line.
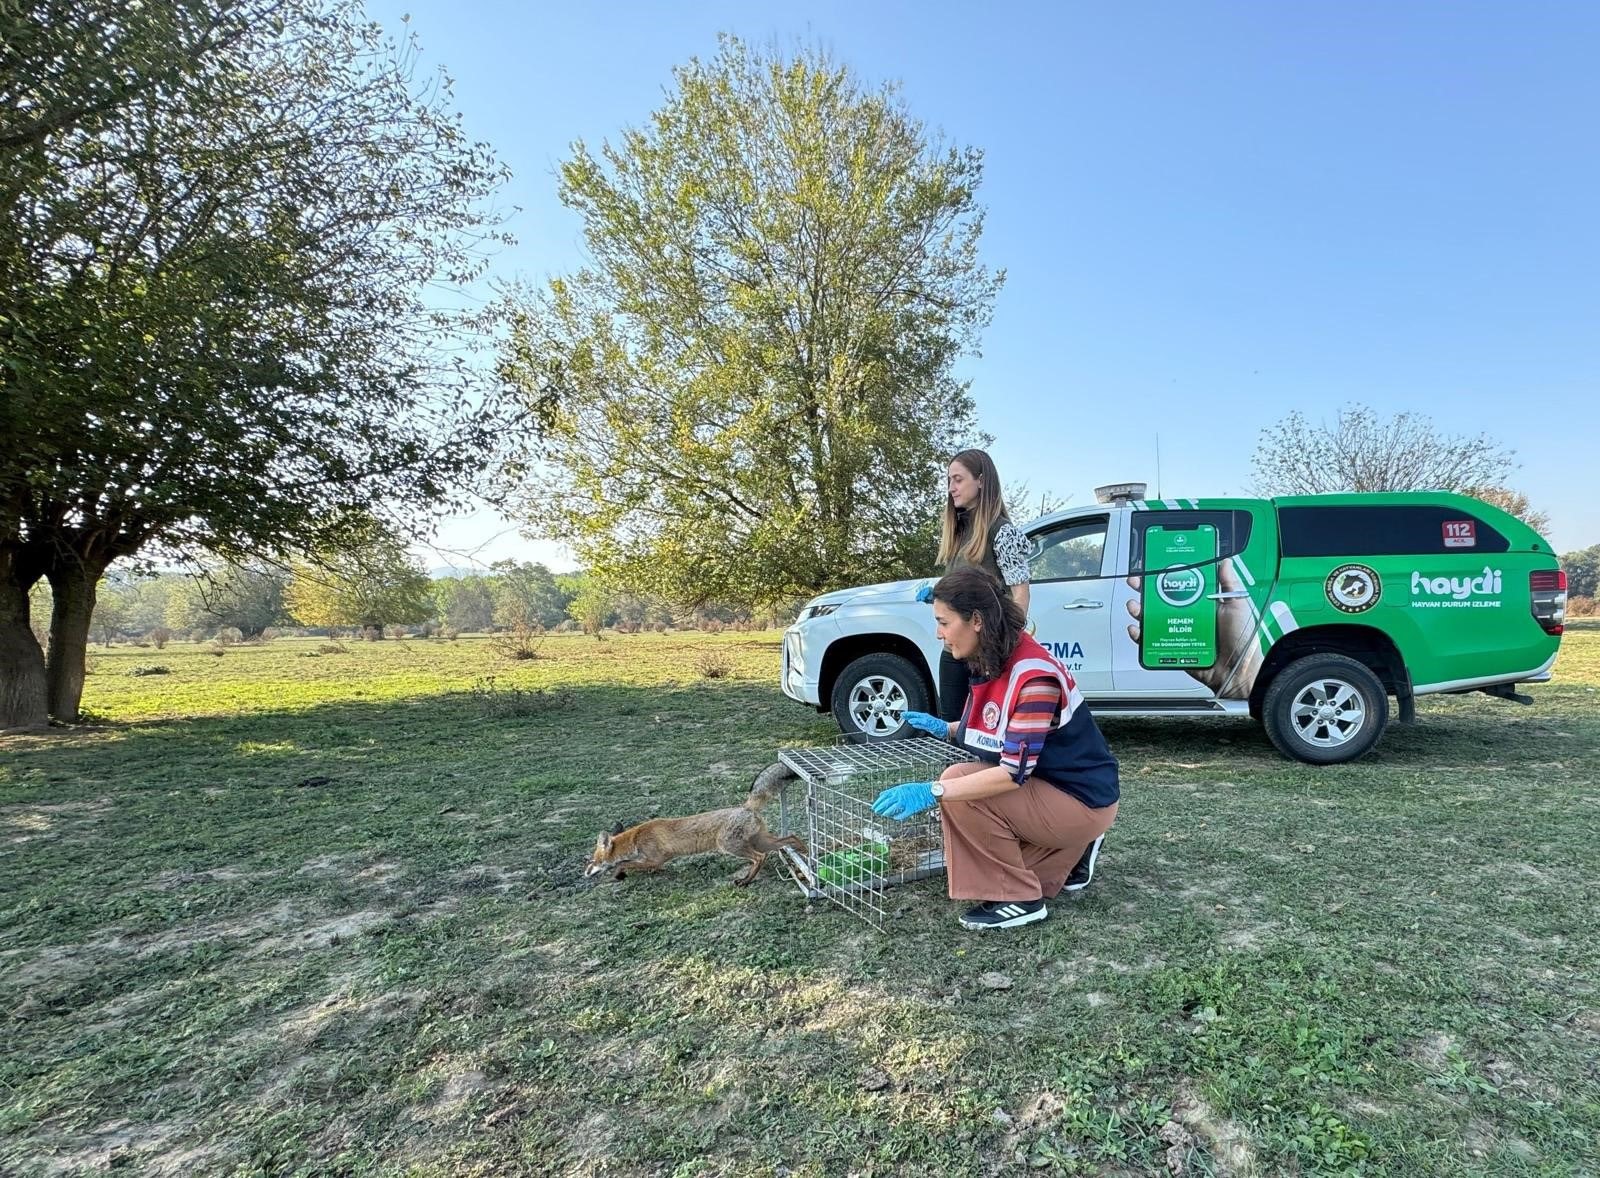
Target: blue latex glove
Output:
{"points": [[925, 594], [905, 801], [932, 725]]}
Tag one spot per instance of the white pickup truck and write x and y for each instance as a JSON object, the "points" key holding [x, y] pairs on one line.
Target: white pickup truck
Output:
{"points": [[869, 654]]}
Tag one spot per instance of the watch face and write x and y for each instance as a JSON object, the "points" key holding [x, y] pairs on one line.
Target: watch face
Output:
{"points": [[938, 789]]}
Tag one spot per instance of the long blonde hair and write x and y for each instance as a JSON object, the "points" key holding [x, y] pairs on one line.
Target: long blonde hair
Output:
{"points": [[971, 543]]}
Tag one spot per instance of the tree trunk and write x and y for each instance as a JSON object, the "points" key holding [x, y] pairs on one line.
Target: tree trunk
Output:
{"points": [[74, 588], [22, 675]]}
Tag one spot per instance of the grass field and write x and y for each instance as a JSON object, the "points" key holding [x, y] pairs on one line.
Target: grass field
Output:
{"points": [[286, 913]]}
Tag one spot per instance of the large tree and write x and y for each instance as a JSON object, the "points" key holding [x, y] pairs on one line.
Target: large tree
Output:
{"points": [[1513, 503], [750, 393], [528, 595], [1362, 452], [1583, 571], [247, 596], [372, 584], [465, 603], [224, 229]]}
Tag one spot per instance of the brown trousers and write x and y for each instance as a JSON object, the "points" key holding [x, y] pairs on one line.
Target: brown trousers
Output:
{"points": [[1019, 845]]}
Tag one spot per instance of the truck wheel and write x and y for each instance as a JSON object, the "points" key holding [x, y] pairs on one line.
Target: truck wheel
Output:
{"points": [[872, 693], [1325, 709]]}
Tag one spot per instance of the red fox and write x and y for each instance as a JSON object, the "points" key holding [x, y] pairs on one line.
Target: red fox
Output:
{"points": [[738, 830]]}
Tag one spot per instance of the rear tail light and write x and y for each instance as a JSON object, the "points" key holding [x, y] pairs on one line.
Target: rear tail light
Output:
{"points": [[1548, 589]]}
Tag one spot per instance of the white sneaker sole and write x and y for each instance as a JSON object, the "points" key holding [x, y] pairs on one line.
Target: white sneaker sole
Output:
{"points": [[1024, 918]]}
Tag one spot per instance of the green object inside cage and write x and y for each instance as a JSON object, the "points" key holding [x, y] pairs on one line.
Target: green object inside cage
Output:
{"points": [[854, 865]]}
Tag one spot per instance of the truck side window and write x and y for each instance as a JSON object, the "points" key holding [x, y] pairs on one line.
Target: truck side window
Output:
{"points": [[1233, 531], [1071, 552], [1382, 531]]}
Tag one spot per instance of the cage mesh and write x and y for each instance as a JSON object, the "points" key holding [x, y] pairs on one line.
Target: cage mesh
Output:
{"points": [[853, 855]]}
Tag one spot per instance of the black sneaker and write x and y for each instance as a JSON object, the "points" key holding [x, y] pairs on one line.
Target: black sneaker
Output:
{"points": [[1004, 914], [1084, 871]]}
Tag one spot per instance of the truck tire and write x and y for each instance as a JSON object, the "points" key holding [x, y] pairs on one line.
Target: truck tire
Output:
{"points": [[1325, 709], [873, 692]]}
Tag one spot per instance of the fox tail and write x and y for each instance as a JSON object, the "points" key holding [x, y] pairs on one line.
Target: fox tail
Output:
{"points": [[769, 783]]}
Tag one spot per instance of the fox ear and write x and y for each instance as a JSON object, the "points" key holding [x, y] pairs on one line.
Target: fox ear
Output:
{"points": [[605, 843], [617, 829]]}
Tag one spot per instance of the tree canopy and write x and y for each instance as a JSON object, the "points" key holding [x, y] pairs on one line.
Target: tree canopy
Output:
{"points": [[1362, 452], [372, 584], [224, 230], [751, 393]]}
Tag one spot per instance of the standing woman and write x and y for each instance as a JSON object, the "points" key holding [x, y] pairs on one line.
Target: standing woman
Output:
{"points": [[1041, 789], [978, 534]]}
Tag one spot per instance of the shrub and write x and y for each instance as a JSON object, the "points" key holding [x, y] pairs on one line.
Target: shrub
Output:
{"points": [[372, 633], [521, 641], [1580, 607], [230, 636], [661, 627], [161, 636], [714, 664], [217, 648], [395, 632], [497, 702], [333, 648], [450, 632], [710, 626], [149, 669]]}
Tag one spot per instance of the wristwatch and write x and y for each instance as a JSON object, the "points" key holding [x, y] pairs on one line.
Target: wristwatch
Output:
{"points": [[938, 789]]}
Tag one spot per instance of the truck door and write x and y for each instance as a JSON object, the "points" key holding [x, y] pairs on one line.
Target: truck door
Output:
{"points": [[1072, 592]]}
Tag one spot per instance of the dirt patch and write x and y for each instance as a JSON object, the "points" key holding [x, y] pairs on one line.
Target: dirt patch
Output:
{"points": [[1433, 1050], [32, 820], [119, 1145], [591, 1141], [1035, 1118], [169, 881], [324, 933], [281, 928], [1248, 937], [462, 1086], [326, 865], [487, 877], [1228, 1142]]}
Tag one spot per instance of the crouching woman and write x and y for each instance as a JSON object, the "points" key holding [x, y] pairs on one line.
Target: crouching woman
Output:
{"points": [[1042, 789]]}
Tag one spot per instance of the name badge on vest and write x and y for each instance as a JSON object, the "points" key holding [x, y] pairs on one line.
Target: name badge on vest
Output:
{"points": [[984, 742]]}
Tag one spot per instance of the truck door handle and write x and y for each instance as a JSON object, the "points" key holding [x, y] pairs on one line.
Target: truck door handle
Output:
{"points": [[1228, 596], [1084, 603]]}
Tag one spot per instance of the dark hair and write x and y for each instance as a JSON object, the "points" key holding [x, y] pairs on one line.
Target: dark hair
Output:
{"points": [[974, 593]]}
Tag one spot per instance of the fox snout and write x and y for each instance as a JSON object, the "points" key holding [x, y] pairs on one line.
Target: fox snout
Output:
{"points": [[605, 853]]}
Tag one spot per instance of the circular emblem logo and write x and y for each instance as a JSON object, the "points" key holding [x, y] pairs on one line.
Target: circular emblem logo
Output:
{"points": [[991, 715], [1181, 588], [1354, 588]]}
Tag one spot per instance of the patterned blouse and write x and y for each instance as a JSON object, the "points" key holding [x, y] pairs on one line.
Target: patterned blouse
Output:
{"points": [[1011, 552]]}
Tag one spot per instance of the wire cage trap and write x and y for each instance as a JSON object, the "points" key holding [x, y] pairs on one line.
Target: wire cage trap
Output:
{"points": [[853, 855]]}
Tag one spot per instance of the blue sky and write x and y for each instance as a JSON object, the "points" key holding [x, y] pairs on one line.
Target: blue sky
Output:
{"points": [[1211, 214]]}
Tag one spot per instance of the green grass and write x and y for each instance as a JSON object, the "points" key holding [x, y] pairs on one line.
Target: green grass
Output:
{"points": [[213, 968]]}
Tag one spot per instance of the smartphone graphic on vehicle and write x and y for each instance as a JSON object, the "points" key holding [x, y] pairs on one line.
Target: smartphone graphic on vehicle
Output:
{"points": [[1179, 613]]}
